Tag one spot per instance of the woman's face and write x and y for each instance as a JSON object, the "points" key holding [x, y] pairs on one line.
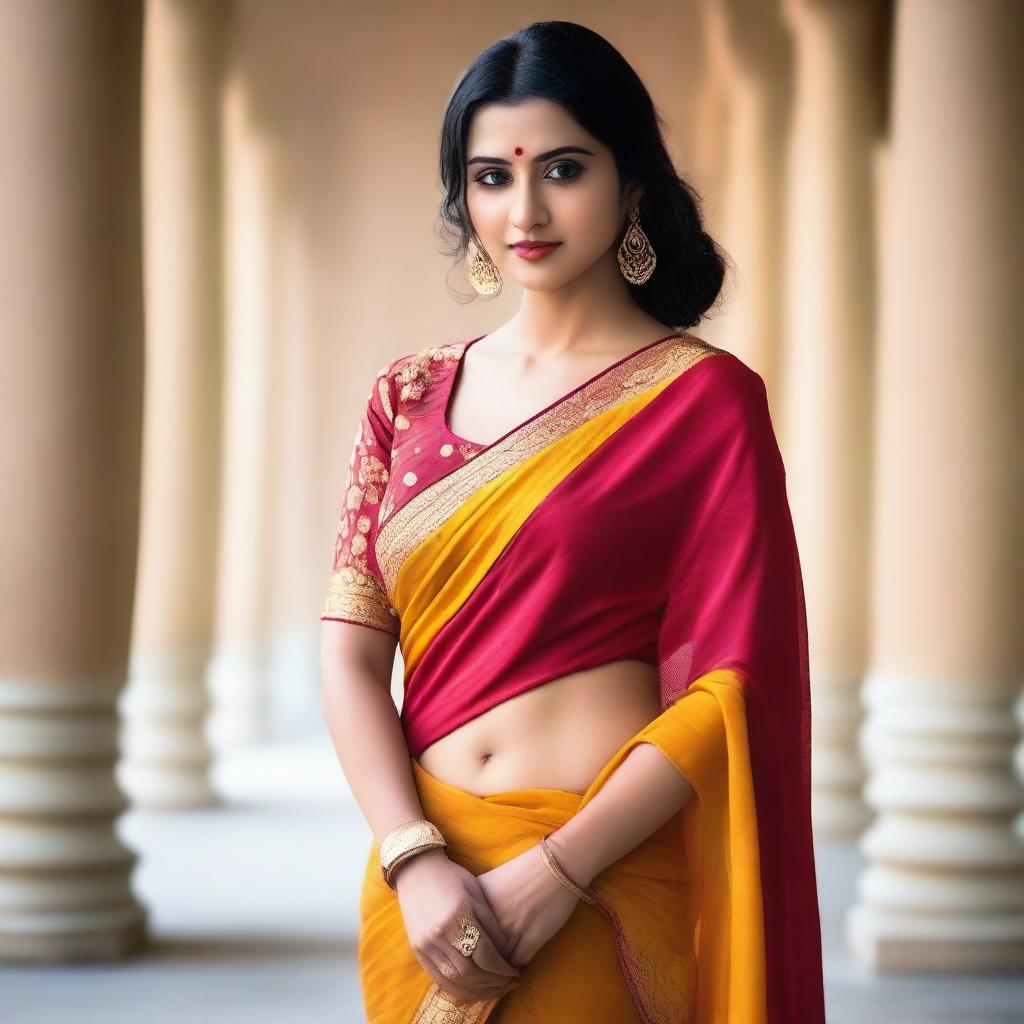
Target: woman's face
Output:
{"points": [[533, 174]]}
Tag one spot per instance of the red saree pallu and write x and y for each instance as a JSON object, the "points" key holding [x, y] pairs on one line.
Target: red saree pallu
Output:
{"points": [[641, 516]]}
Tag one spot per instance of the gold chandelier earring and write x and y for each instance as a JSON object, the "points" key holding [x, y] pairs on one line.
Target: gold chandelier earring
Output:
{"points": [[635, 253], [482, 271]]}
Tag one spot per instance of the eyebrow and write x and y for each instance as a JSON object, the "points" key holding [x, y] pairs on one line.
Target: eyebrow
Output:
{"points": [[537, 159]]}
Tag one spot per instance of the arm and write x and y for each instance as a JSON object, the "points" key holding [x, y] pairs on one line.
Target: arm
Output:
{"points": [[434, 892], [364, 724], [358, 640], [360, 633], [640, 796]]}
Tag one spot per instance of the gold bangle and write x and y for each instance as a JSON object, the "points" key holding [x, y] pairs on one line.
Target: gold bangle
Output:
{"points": [[392, 869], [405, 841], [556, 869]]}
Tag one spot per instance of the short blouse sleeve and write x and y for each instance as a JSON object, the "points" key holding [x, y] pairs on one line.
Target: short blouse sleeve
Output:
{"points": [[356, 591]]}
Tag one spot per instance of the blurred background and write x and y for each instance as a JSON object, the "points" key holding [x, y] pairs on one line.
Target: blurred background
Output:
{"points": [[220, 222]]}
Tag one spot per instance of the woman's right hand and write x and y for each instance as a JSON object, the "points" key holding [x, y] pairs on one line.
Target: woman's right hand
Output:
{"points": [[436, 895]]}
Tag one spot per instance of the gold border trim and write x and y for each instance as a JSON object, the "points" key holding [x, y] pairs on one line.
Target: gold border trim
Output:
{"points": [[439, 1007], [356, 596]]}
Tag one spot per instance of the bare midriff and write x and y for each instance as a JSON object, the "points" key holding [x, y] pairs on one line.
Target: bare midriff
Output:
{"points": [[556, 736]]}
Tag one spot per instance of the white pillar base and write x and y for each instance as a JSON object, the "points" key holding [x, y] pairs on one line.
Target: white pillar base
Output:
{"points": [[165, 757], [838, 810], [237, 684], [65, 891], [936, 943], [944, 885]]}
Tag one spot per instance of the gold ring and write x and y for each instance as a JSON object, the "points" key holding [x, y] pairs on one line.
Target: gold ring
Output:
{"points": [[468, 937]]}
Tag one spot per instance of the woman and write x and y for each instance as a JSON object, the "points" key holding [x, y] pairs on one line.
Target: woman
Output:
{"points": [[595, 803]]}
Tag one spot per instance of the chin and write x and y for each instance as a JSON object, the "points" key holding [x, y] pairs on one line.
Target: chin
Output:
{"points": [[545, 279], [544, 283]]}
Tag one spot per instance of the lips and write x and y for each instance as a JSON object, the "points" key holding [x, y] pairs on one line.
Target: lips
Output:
{"points": [[534, 250]]}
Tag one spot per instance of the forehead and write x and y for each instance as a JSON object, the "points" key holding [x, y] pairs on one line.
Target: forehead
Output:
{"points": [[535, 124]]}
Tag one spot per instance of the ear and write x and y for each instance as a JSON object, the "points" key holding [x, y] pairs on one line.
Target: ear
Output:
{"points": [[632, 196]]}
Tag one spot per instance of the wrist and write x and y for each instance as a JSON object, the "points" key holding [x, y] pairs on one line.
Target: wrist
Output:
{"points": [[572, 860], [426, 859]]}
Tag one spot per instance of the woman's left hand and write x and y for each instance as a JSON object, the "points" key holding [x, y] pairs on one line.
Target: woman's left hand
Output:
{"points": [[531, 905]]}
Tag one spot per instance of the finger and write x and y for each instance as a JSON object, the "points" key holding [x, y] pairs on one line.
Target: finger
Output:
{"points": [[444, 974], [516, 957], [485, 955], [485, 970], [463, 977], [488, 958], [490, 924]]}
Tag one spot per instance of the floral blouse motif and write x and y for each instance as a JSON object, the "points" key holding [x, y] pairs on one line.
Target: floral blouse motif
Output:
{"points": [[392, 457]]}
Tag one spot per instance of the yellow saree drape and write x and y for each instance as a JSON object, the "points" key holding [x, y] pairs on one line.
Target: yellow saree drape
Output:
{"points": [[687, 939]]}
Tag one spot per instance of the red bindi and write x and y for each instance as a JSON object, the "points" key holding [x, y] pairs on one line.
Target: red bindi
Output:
{"points": [[519, 150]]}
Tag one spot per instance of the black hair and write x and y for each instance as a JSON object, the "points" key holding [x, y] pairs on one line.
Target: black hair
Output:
{"points": [[579, 69]]}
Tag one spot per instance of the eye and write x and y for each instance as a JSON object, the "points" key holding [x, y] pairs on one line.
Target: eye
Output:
{"points": [[487, 174], [571, 165], [574, 167]]}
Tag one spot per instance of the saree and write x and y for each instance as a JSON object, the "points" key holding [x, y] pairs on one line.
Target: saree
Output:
{"points": [[643, 515]]}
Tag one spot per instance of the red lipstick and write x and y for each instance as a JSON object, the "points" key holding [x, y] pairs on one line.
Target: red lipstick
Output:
{"points": [[534, 250]]}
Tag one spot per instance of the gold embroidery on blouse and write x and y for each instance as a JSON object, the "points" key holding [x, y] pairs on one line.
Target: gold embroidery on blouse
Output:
{"points": [[385, 395], [353, 594], [413, 372], [426, 511]]}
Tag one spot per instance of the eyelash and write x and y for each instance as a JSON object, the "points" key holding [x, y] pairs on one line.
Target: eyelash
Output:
{"points": [[578, 170]]}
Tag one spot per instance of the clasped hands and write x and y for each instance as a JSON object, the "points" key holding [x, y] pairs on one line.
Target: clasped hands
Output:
{"points": [[529, 903], [519, 905]]}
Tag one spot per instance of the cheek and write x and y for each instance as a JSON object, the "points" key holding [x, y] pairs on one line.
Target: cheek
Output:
{"points": [[487, 213], [590, 217]]}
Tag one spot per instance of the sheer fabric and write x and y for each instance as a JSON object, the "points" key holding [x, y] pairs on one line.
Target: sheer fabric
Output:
{"points": [[643, 515]]}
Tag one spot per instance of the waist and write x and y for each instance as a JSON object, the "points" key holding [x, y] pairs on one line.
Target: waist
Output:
{"points": [[482, 830], [555, 736]]}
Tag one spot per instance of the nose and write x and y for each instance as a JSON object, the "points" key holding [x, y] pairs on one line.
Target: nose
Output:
{"points": [[527, 207]]}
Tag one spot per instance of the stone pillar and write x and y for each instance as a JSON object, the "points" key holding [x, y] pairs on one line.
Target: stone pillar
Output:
{"points": [[827, 372], [295, 565], [238, 673], [755, 59], [1019, 759], [166, 757], [943, 889], [71, 408], [710, 114]]}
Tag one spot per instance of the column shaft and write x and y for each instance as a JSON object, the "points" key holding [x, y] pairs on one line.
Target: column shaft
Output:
{"points": [[71, 399], [944, 886], [828, 372]]}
